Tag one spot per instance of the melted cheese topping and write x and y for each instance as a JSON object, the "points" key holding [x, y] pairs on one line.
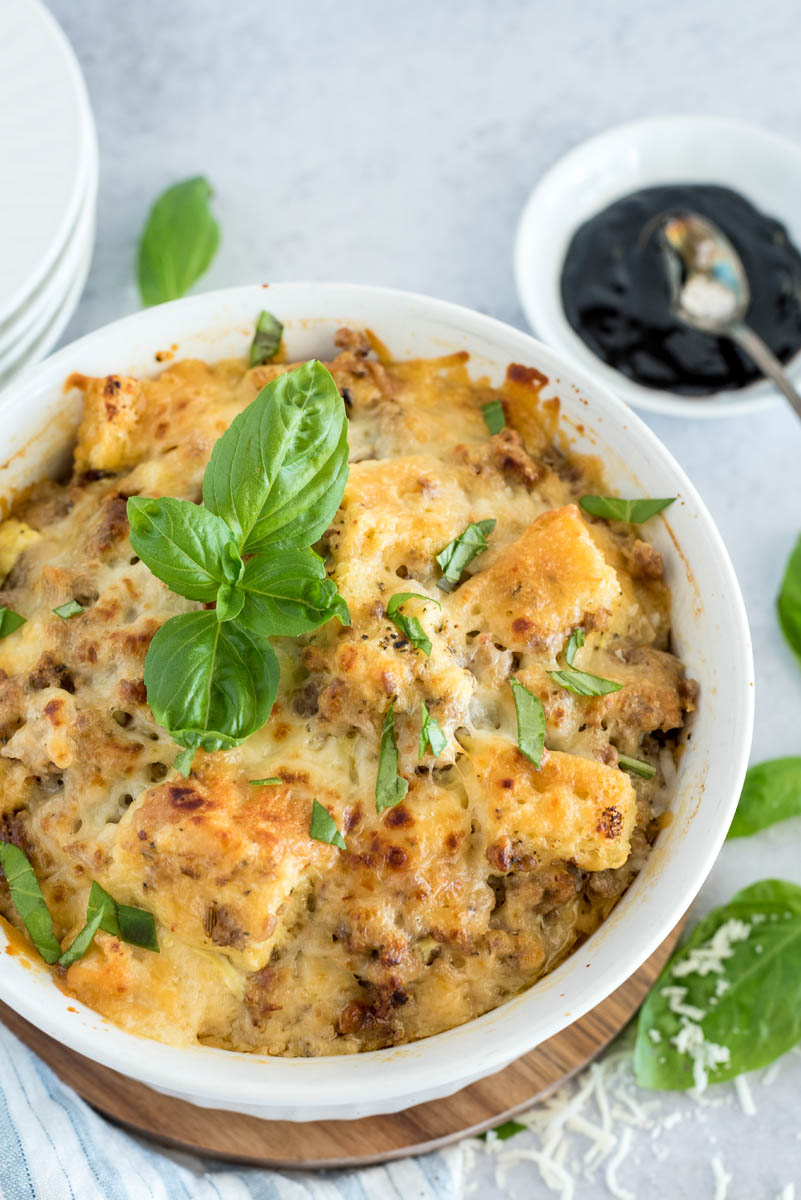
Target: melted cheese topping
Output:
{"points": [[487, 874]]}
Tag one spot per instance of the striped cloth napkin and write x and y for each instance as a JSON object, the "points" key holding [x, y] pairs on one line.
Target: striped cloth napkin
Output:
{"points": [[53, 1146]]}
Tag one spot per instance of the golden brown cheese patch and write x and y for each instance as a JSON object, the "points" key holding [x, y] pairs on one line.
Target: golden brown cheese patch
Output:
{"points": [[547, 583], [571, 808], [218, 859]]}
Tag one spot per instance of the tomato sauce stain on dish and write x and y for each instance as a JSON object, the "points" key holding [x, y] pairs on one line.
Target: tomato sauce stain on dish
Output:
{"points": [[616, 295]]}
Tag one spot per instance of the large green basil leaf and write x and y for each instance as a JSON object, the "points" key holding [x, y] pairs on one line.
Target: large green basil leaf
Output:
{"points": [[789, 600], [771, 793], [210, 683], [286, 593], [184, 545], [27, 898], [277, 474], [730, 1000], [178, 243]]}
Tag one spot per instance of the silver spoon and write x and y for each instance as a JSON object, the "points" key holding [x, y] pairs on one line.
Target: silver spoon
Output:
{"points": [[709, 290]]}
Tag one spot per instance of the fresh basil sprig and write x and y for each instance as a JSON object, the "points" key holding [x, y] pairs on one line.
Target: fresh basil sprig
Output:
{"points": [[410, 627], [459, 553], [390, 787], [277, 474], [266, 340], [634, 512], [771, 793], [789, 601], [27, 898], [636, 766], [582, 683], [274, 481], [9, 621], [494, 416], [71, 609], [430, 733], [730, 1000], [323, 827], [178, 242], [530, 723]]}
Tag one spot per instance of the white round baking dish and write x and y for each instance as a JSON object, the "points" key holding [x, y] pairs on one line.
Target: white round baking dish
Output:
{"points": [[711, 634]]}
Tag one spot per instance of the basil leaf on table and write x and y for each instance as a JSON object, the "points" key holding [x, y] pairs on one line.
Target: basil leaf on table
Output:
{"points": [[266, 339], [71, 609], [459, 553], [178, 242], [771, 793], [184, 545], [530, 723], [410, 627], [730, 1000], [286, 592], [210, 684], [9, 621], [390, 787], [494, 416], [276, 476], [636, 766], [27, 898], [633, 512], [789, 600], [430, 733], [505, 1131], [323, 827]]}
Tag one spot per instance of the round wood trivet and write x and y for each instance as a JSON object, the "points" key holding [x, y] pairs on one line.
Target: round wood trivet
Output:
{"points": [[349, 1143]]}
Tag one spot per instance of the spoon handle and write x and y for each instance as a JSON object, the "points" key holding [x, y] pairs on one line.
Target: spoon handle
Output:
{"points": [[767, 362]]}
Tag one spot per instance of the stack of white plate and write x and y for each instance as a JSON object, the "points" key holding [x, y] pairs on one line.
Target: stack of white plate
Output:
{"points": [[48, 184]]}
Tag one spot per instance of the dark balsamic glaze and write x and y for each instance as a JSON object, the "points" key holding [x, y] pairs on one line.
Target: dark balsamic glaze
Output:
{"points": [[616, 297]]}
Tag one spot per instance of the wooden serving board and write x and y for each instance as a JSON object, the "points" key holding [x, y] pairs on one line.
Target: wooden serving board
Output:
{"points": [[321, 1144]]}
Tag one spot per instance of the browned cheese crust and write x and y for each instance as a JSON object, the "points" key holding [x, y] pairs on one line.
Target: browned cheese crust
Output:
{"points": [[488, 873]]}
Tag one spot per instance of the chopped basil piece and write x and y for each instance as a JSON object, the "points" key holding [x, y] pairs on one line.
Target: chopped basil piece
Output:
{"points": [[9, 621], [133, 925], [789, 601], [323, 827], [530, 723], [70, 609], [266, 340], [83, 940], [183, 761], [410, 627], [636, 766], [581, 682], [634, 512], [584, 684], [505, 1131], [390, 787], [430, 734], [459, 553], [271, 782], [575, 640], [137, 927], [178, 242], [494, 416], [29, 902]]}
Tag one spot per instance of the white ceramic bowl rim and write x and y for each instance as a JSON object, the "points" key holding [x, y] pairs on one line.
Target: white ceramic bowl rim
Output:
{"points": [[624, 159], [387, 1079]]}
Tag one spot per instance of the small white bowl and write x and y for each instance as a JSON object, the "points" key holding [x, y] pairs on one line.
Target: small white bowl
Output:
{"points": [[710, 633], [763, 167]]}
